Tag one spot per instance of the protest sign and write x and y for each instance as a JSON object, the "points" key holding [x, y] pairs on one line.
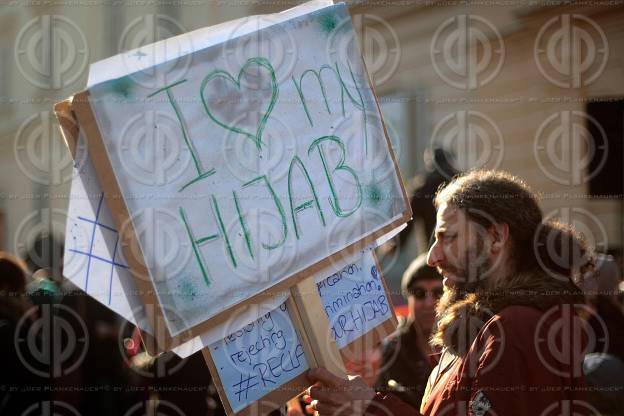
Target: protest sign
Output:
{"points": [[237, 228], [235, 223], [261, 359]]}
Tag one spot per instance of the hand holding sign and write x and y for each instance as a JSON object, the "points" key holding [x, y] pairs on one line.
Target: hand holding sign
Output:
{"points": [[332, 395]]}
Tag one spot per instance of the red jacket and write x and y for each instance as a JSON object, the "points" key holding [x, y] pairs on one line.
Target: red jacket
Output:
{"points": [[522, 362]]}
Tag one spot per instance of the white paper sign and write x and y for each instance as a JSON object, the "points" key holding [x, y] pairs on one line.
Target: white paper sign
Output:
{"points": [[244, 171], [93, 259], [354, 299], [259, 358]]}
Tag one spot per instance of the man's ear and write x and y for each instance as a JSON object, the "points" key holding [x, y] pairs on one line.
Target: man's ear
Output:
{"points": [[500, 236]]}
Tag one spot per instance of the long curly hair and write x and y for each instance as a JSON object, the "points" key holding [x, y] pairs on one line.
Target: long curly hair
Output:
{"points": [[549, 260]]}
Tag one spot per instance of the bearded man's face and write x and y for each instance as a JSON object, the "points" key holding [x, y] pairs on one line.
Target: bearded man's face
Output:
{"points": [[461, 249]]}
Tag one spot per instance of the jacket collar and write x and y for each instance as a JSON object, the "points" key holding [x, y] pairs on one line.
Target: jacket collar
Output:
{"points": [[460, 323]]}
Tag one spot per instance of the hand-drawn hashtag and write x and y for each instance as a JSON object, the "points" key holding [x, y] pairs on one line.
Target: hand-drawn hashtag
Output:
{"points": [[244, 389], [113, 263]]}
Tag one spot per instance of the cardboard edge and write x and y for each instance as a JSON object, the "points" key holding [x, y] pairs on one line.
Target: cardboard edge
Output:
{"points": [[315, 324], [70, 130], [69, 124], [387, 136], [120, 215]]}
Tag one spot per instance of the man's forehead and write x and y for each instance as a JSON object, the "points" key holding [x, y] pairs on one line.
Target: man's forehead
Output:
{"points": [[447, 215]]}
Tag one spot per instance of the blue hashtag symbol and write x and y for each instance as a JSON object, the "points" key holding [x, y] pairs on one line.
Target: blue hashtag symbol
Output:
{"points": [[244, 389]]}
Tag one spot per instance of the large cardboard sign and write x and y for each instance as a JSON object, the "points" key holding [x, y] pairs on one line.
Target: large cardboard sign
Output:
{"points": [[235, 186], [274, 171]]}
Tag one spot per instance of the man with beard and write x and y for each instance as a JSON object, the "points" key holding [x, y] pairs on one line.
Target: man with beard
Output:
{"points": [[506, 324]]}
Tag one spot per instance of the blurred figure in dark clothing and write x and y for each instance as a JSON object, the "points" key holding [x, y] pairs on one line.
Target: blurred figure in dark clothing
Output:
{"points": [[406, 361], [604, 379], [422, 188], [184, 383], [603, 298], [84, 342], [19, 387], [604, 366]]}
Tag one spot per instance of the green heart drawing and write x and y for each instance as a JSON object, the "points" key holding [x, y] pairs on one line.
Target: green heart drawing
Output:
{"points": [[258, 61]]}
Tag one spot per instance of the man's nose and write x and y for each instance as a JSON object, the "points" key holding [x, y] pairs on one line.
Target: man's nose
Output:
{"points": [[435, 254], [430, 301]]}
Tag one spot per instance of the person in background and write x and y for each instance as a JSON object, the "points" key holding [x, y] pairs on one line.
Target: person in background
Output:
{"points": [[604, 365], [406, 353], [422, 189], [15, 323], [602, 296]]}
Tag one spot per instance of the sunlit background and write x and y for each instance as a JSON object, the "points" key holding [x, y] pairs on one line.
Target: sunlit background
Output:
{"points": [[532, 89]]}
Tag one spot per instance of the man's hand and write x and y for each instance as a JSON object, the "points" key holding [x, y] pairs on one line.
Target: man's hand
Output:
{"points": [[331, 395], [293, 407]]}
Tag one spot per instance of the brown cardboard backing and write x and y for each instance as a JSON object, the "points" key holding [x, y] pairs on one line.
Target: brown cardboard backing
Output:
{"points": [[69, 124]]}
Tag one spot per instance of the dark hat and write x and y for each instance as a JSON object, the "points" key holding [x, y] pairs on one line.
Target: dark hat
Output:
{"points": [[416, 271]]}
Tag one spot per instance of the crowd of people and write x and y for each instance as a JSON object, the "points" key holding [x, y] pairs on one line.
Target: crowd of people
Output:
{"points": [[508, 314]]}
